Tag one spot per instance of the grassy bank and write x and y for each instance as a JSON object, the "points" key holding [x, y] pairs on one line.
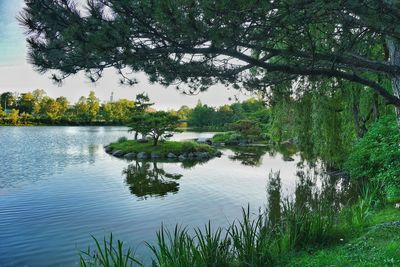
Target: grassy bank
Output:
{"points": [[251, 243], [163, 148], [376, 245]]}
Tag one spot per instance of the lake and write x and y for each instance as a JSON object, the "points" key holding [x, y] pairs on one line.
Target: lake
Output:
{"points": [[58, 187]]}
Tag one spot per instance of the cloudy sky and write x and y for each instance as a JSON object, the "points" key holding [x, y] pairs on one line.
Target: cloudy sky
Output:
{"points": [[17, 75]]}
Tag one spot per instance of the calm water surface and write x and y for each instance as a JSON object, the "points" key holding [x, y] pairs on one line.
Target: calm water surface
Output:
{"points": [[58, 187]]}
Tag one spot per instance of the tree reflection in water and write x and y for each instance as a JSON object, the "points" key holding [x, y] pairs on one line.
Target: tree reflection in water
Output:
{"points": [[146, 179], [316, 189], [249, 156]]}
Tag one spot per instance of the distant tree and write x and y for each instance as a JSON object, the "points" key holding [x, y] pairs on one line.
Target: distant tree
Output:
{"points": [[63, 103], [184, 112], [93, 104], [86, 109], [81, 109], [223, 115], [26, 102], [8, 100], [2, 114], [154, 124], [118, 111], [14, 116], [248, 129], [50, 109], [202, 115], [38, 95], [25, 117]]}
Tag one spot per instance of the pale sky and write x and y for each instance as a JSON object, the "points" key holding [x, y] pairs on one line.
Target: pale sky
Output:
{"points": [[17, 75]]}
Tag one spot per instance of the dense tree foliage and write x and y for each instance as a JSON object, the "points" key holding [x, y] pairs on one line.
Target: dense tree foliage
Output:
{"points": [[206, 117], [376, 157], [253, 43], [38, 108], [154, 124]]}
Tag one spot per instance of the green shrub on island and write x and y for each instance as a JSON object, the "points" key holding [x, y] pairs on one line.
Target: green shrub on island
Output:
{"points": [[122, 139], [163, 148], [227, 137]]}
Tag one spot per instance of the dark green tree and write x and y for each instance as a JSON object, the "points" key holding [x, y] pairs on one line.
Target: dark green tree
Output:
{"points": [[253, 43], [248, 129], [141, 104], [8, 100], [154, 124], [26, 102], [202, 115]]}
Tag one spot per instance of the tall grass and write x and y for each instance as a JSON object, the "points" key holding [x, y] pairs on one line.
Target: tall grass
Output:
{"points": [[247, 242], [107, 254], [359, 214], [254, 240]]}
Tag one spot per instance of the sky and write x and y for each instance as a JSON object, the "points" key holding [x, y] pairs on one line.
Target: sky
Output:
{"points": [[17, 75]]}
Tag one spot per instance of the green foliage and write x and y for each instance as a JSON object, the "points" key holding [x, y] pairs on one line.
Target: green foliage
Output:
{"points": [[87, 108], [248, 129], [375, 157], [252, 241], [37, 108], [163, 148], [122, 139], [226, 137], [203, 116], [375, 246], [154, 124], [118, 111], [203, 47], [14, 116], [108, 254]]}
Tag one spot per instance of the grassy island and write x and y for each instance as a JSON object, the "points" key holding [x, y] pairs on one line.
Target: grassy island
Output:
{"points": [[164, 149]]}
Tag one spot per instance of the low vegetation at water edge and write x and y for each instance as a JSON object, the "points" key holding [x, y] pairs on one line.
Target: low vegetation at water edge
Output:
{"points": [[163, 148], [299, 239]]}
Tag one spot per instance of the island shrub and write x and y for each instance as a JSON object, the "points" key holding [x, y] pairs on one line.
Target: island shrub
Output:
{"points": [[227, 138], [122, 139], [163, 148]]}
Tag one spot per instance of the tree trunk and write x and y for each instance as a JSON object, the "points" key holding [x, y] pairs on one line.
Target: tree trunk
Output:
{"points": [[136, 135], [394, 59], [356, 118], [155, 141]]}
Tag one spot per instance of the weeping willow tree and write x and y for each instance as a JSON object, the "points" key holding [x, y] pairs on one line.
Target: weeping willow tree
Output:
{"points": [[324, 117]]}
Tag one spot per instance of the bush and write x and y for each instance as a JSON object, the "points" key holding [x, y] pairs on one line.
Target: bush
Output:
{"points": [[227, 137], [122, 139], [376, 157]]}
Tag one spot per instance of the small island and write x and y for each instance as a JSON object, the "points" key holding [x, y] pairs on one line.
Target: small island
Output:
{"points": [[155, 127], [172, 150]]}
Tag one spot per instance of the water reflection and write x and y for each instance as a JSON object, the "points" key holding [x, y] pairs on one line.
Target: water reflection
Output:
{"points": [[30, 154], [249, 156], [147, 179], [317, 189]]}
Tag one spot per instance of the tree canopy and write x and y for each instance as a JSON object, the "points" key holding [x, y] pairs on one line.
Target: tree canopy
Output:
{"points": [[154, 124], [253, 43]]}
